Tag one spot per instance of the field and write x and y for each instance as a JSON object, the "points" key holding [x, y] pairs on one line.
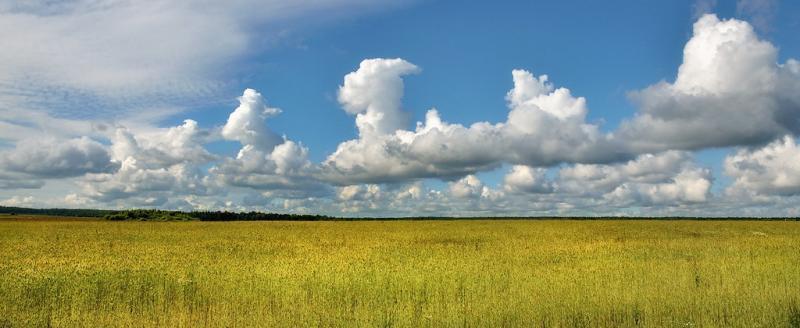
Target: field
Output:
{"points": [[548, 273]]}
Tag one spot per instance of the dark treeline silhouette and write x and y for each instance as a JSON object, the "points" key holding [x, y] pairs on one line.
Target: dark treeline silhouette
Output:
{"points": [[89, 213], [148, 215], [165, 215], [161, 215], [255, 216]]}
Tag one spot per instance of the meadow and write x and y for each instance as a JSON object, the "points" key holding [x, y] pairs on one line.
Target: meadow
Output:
{"points": [[66, 272]]}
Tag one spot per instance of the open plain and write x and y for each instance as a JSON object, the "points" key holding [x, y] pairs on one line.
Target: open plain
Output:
{"points": [[542, 273]]}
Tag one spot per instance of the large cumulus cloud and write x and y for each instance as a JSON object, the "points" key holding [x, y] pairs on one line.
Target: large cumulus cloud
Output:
{"points": [[53, 158], [668, 178], [154, 167], [730, 90], [772, 170], [545, 126], [265, 160], [373, 94]]}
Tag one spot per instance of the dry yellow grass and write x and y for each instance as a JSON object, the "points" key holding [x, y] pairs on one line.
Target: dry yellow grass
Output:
{"points": [[400, 273]]}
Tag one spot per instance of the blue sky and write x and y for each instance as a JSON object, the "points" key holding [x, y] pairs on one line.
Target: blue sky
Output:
{"points": [[467, 51], [99, 72], [467, 54]]}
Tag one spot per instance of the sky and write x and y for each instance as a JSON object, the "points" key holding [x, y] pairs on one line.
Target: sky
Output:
{"points": [[403, 108]]}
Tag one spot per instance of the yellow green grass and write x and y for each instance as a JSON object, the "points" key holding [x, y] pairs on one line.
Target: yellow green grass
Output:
{"points": [[400, 273]]}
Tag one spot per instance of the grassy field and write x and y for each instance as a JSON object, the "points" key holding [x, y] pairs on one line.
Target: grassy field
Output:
{"points": [[68, 272]]}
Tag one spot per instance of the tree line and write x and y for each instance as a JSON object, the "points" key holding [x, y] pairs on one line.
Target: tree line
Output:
{"points": [[167, 215]]}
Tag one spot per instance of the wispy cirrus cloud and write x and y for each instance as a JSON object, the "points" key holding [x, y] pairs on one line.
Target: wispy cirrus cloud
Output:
{"points": [[107, 59]]}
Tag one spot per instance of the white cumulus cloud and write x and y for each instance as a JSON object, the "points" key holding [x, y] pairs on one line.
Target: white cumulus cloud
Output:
{"points": [[247, 122], [771, 170], [53, 158], [526, 179], [666, 178], [730, 90], [545, 126], [154, 167], [265, 161], [373, 93]]}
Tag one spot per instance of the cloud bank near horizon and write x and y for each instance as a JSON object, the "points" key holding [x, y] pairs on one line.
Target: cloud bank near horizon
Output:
{"points": [[729, 91]]}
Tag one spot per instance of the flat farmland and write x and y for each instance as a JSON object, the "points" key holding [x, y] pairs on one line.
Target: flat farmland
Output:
{"points": [[67, 272]]}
